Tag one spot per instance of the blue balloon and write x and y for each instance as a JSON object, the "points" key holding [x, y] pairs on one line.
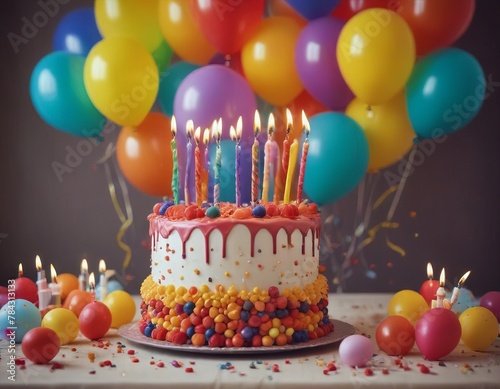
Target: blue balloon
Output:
{"points": [[313, 9], [337, 159], [77, 32], [21, 315], [445, 92], [170, 81], [60, 98]]}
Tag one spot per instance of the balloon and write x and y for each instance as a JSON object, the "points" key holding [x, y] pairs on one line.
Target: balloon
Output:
{"points": [[169, 83], [4, 295], [465, 300], [95, 320], [27, 316], [130, 19], [303, 102], [372, 76], [437, 103], [26, 289], [227, 175], [40, 345], [231, 61], [316, 62], [356, 350], [282, 8], [182, 33], [64, 322], [122, 307], [68, 282], [387, 130], [337, 159], [162, 55], [268, 60], [436, 24], [77, 300], [227, 25], [121, 78], [395, 335], [346, 9], [77, 32], [313, 9], [58, 93], [144, 155], [491, 300], [479, 328], [437, 333], [409, 304]]}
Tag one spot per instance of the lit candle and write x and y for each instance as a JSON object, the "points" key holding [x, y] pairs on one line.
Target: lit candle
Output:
{"points": [[175, 163], [305, 150], [55, 288], [294, 151], [429, 287], [441, 293], [197, 167], [218, 161], [189, 162], [24, 287], [267, 161], [286, 142], [92, 285], [456, 290], [103, 281], [41, 283], [20, 270], [235, 135], [83, 278], [204, 186], [255, 159]]}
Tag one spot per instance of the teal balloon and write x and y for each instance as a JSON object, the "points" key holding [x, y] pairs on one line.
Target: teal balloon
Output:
{"points": [[169, 83], [162, 55], [337, 159], [60, 98], [445, 92]]}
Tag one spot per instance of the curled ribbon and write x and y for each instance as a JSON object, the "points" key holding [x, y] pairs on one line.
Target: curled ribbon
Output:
{"points": [[372, 232]]}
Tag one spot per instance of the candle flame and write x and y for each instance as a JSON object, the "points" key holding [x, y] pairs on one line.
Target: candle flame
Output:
{"points": [[102, 266], [173, 126], [189, 129], [442, 278], [206, 136], [239, 128], [214, 130], [197, 135], [38, 263], [20, 270], [289, 121], [219, 130], [270, 124], [305, 123], [53, 274], [232, 133], [92, 281], [430, 271], [464, 277], [256, 123], [84, 267]]}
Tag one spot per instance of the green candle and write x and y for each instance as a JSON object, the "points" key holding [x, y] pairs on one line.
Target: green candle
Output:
{"points": [[175, 164]]}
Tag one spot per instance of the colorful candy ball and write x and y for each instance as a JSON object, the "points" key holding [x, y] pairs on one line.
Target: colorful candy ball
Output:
{"points": [[409, 304], [95, 320], [356, 350], [64, 322], [479, 327], [40, 345], [395, 335], [491, 301], [20, 315], [437, 333], [122, 307]]}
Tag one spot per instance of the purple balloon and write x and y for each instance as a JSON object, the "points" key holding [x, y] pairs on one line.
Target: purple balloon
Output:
{"points": [[207, 94], [317, 66], [491, 301]]}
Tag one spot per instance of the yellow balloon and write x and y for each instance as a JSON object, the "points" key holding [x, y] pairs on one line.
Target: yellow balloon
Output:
{"points": [[409, 304], [122, 307], [376, 54], [64, 322], [387, 128], [479, 327], [268, 60], [137, 20], [121, 79], [182, 33]]}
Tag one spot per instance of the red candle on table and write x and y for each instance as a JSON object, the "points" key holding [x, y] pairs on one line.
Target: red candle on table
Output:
{"points": [[429, 287], [25, 288]]}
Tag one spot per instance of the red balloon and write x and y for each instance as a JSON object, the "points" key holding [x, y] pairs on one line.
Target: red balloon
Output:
{"points": [[4, 295], [395, 335], [436, 24], [26, 289], [227, 25], [95, 320], [437, 333], [40, 345], [144, 154], [346, 9]]}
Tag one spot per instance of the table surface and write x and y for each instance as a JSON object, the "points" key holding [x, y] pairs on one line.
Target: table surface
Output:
{"points": [[297, 368]]}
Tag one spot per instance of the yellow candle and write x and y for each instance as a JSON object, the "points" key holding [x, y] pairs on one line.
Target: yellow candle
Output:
{"points": [[294, 151]]}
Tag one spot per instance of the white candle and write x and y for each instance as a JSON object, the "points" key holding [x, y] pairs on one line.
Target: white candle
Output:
{"points": [[55, 288], [456, 290], [44, 293], [103, 282], [441, 292], [92, 285], [83, 278]]}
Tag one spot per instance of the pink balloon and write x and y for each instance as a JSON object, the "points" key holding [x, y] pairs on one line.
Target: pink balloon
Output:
{"points": [[491, 301], [437, 333], [356, 350]]}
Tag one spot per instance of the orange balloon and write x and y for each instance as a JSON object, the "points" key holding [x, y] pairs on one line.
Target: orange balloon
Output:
{"points": [[144, 155], [77, 300], [68, 282], [182, 33], [268, 59]]}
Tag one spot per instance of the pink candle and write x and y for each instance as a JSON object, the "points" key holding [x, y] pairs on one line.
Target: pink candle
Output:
{"points": [[218, 161], [429, 287], [267, 161], [204, 188], [286, 142], [197, 173], [305, 150], [189, 161], [255, 160]]}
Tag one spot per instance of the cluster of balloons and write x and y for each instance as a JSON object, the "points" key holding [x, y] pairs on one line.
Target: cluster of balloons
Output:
{"points": [[373, 75]]}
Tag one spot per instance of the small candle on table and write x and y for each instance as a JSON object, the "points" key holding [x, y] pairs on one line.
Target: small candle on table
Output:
{"points": [[303, 160], [204, 185], [456, 290], [175, 163], [267, 159], [441, 292], [430, 286], [92, 285], [189, 162], [55, 288], [103, 281], [197, 167], [255, 159], [216, 134], [83, 278], [44, 293]]}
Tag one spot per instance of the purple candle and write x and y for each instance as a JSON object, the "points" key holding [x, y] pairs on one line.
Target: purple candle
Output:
{"points": [[189, 162]]}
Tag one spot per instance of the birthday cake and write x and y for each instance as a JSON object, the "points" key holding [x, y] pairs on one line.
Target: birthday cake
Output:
{"points": [[231, 276]]}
